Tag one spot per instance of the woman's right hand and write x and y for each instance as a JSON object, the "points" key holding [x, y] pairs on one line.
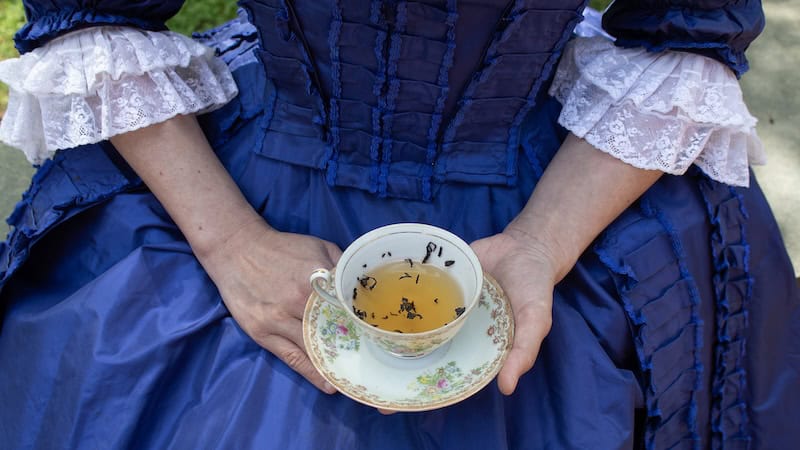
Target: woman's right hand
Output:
{"points": [[262, 275]]}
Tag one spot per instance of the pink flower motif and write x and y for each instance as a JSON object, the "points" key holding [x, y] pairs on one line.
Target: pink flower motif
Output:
{"points": [[490, 331], [442, 384], [341, 329]]}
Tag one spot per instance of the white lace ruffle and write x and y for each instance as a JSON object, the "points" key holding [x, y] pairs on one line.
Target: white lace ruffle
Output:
{"points": [[659, 111], [95, 83]]}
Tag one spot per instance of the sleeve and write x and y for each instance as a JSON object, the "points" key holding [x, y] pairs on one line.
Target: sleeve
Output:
{"points": [[720, 29], [88, 73], [48, 19], [653, 105]]}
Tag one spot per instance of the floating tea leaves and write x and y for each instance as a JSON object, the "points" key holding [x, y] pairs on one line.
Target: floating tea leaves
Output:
{"points": [[408, 296]]}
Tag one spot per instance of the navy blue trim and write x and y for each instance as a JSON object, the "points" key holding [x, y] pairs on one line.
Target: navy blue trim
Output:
{"points": [[530, 101], [443, 82], [378, 88], [731, 255], [629, 267], [54, 23], [395, 41], [733, 59], [677, 248], [336, 93], [382, 27]]}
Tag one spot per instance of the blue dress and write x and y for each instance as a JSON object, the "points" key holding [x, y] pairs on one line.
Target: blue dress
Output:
{"points": [[678, 328]]}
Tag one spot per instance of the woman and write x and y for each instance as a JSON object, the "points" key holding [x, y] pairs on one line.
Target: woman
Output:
{"points": [[157, 285]]}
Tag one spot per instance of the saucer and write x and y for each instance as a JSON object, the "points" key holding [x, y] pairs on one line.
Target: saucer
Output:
{"points": [[455, 371]]}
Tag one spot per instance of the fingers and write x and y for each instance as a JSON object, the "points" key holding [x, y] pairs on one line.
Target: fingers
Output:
{"points": [[296, 307], [291, 332], [290, 329], [482, 249], [526, 279], [334, 252], [290, 348], [297, 360], [531, 328], [492, 249]]}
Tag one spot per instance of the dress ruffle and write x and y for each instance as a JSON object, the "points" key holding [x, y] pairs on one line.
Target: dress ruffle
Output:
{"points": [[733, 292], [92, 84], [667, 300], [662, 111], [102, 175], [663, 304]]}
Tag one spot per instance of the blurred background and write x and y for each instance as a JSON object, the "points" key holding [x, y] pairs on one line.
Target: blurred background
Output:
{"points": [[771, 90]]}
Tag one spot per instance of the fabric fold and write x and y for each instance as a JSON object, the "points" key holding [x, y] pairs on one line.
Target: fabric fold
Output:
{"points": [[662, 111], [95, 83]]}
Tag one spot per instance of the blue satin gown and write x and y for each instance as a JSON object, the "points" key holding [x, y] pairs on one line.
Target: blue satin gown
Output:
{"points": [[678, 328]]}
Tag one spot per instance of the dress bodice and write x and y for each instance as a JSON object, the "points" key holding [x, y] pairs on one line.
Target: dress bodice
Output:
{"points": [[406, 94], [397, 97]]}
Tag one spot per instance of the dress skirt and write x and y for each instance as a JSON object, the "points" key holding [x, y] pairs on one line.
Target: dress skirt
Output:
{"points": [[678, 328]]}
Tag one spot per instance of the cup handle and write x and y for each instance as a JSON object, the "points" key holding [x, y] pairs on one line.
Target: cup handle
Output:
{"points": [[321, 280]]}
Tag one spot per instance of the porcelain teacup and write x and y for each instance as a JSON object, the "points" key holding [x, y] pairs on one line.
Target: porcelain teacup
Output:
{"points": [[401, 242]]}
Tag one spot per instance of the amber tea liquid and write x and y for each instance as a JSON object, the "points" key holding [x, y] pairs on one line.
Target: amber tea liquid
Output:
{"points": [[408, 297]]}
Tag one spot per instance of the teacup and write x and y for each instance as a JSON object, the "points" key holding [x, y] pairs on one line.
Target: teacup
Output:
{"points": [[416, 243]]}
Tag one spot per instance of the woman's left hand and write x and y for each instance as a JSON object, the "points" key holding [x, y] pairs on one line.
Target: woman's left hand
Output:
{"points": [[527, 275], [580, 193]]}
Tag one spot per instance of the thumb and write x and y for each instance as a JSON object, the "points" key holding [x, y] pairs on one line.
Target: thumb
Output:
{"points": [[532, 325]]}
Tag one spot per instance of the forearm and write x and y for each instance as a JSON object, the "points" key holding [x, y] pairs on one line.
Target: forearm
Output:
{"points": [[581, 192], [261, 274], [176, 162]]}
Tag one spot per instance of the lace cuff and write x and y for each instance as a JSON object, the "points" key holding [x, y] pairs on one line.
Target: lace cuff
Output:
{"points": [[95, 83], [659, 111]]}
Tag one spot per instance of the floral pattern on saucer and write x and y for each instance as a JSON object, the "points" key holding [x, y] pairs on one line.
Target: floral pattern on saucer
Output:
{"points": [[338, 333], [363, 372], [442, 382]]}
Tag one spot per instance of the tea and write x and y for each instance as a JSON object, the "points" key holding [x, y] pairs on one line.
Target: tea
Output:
{"points": [[408, 297]]}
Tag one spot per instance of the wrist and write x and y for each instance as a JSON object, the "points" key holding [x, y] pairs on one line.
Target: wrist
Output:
{"points": [[215, 241], [544, 247]]}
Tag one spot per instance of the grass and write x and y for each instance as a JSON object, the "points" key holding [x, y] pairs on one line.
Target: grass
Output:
{"points": [[599, 4], [201, 15]]}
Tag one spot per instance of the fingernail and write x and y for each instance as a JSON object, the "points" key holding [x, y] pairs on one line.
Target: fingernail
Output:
{"points": [[329, 389]]}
